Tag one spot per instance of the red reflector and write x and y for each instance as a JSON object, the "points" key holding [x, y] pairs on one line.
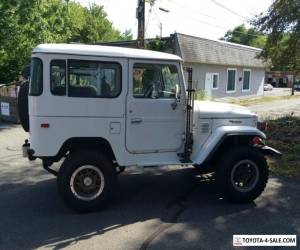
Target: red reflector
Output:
{"points": [[45, 125]]}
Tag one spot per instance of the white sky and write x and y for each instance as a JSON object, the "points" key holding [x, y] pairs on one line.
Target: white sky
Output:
{"points": [[201, 18]]}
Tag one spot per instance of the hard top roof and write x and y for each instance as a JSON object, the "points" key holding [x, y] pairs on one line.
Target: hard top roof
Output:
{"points": [[107, 51]]}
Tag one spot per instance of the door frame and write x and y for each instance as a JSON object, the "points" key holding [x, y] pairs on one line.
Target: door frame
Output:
{"points": [[129, 96]]}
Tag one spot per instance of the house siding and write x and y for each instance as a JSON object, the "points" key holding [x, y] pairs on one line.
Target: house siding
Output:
{"points": [[256, 81]]}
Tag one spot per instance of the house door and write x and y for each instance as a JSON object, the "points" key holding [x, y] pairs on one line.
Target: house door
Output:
{"points": [[155, 116], [208, 83]]}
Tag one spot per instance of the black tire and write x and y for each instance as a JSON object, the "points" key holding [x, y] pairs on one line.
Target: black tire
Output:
{"points": [[249, 161], [73, 163], [23, 105]]}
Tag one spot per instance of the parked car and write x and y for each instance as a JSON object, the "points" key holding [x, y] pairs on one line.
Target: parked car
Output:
{"points": [[103, 109], [297, 86], [268, 87]]}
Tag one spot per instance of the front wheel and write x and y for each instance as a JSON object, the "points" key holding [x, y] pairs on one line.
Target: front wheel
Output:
{"points": [[242, 174], [85, 180]]}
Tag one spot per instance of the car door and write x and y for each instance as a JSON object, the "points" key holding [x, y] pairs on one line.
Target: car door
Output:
{"points": [[155, 113]]}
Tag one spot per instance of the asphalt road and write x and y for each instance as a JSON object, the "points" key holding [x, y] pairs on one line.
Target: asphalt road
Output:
{"points": [[158, 208]]}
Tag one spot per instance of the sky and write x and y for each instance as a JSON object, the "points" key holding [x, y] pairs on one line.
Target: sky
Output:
{"points": [[203, 18]]}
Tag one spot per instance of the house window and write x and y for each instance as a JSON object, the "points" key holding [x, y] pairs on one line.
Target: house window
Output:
{"points": [[246, 79], [215, 81], [231, 80]]}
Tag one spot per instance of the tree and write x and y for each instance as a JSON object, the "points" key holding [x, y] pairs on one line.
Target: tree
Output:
{"points": [[242, 35], [282, 24], [24, 24]]}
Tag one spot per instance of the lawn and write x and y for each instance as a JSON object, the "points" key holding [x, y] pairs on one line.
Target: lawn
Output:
{"points": [[284, 135]]}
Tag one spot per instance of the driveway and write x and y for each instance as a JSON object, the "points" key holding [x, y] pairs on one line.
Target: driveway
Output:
{"points": [[153, 208], [276, 109]]}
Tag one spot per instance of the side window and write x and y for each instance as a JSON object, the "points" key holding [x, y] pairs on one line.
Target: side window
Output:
{"points": [[155, 81], [94, 79], [58, 77], [36, 77]]}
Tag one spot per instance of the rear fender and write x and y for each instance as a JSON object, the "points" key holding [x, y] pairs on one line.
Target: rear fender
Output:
{"points": [[218, 136]]}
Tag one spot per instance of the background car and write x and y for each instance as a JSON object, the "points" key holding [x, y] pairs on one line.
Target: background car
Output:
{"points": [[268, 87], [297, 86]]}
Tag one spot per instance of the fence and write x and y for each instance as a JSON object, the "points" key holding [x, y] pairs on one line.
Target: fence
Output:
{"points": [[8, 103]]}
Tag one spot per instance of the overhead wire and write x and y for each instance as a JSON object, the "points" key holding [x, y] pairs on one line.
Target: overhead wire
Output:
{"points": [[228, 9]]}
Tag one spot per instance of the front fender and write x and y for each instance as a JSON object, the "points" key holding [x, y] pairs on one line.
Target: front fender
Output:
{"points": [[218, 136]]}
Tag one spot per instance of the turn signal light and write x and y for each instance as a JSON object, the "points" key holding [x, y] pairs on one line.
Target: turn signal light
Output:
{"points": [[256, 140]]}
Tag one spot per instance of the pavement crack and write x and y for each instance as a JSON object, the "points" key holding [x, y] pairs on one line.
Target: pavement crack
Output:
{"points": [[174, 209]]}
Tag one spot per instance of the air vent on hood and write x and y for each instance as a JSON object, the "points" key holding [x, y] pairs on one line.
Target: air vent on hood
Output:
{"points": [[204, 127]]}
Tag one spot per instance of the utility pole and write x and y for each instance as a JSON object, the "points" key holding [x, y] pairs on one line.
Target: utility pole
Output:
{"points": [[140, 15]]}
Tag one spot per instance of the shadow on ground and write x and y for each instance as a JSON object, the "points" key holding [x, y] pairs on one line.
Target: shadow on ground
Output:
{"points": [[183, 204]]}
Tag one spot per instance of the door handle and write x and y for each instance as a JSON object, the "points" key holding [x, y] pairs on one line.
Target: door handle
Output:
{"points": [[136, 120]]}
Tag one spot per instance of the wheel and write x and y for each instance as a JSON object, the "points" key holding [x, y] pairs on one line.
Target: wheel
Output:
{"points": [[242, 174], [86, 180], [23, 105]]}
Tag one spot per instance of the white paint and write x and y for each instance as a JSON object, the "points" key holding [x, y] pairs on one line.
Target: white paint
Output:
{"points": [[156, 140], [104, 51], [5, 108]]}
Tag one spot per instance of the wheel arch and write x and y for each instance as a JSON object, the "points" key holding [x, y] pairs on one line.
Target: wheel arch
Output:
{"points": [[222, 138], [85, 143]]}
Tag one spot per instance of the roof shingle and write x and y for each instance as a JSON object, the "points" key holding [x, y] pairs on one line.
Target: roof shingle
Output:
{"points": [[201, 50]]}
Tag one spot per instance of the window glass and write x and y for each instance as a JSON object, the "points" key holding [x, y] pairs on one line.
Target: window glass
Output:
{"points": [[231, 80], [215, 81], [36, 77], [246, 80], [155, 81], [94, 79], [58, 77]]}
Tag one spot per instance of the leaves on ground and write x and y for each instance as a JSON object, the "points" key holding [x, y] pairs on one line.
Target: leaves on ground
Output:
{"points": [[284, 135]]}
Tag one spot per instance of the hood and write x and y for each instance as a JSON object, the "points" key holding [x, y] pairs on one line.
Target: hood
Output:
{"points": [[207, 109]]}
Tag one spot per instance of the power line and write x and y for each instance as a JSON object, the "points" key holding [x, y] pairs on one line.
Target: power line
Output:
{"points": [[221, 27], [230, 10], [196, 11]]}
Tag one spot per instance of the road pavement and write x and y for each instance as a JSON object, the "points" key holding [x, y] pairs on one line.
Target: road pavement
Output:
{"points": [[276, 109], [153, 208]]}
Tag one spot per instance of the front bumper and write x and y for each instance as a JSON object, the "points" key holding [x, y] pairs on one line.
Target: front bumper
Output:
{"points": [[272, 152]]}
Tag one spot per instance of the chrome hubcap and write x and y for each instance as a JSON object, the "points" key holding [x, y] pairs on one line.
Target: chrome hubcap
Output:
{"points": [[87, 182]]}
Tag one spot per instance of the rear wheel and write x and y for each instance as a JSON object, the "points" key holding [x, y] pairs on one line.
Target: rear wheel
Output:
{"points": [[242, 174], [86, 180]]}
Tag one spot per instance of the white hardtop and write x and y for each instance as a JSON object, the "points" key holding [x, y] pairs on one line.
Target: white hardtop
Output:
{"points": [[107, 51]]}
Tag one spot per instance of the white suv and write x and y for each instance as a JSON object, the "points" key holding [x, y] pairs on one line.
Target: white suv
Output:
{"points": [[103, 109]]}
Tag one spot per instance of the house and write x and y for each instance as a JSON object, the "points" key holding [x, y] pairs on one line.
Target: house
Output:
{"points": [[221, 69]]}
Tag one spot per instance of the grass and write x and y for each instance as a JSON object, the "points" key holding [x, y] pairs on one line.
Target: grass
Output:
{"points": [[284, 135], [261, 100]]}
